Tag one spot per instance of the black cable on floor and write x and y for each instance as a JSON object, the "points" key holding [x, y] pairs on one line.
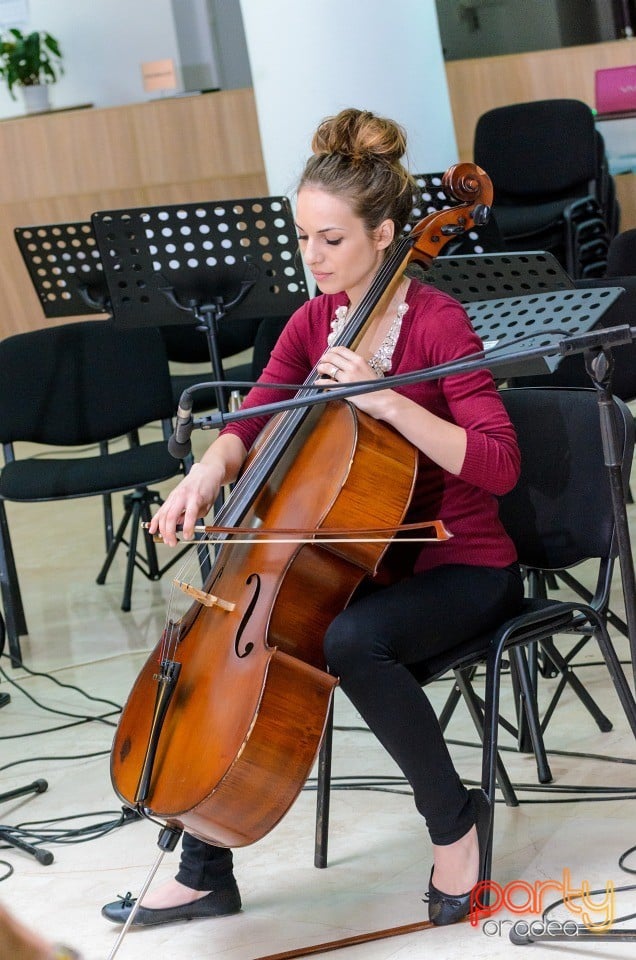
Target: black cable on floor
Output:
{"points": [[36, 833], [80, 718], [28, 830]]}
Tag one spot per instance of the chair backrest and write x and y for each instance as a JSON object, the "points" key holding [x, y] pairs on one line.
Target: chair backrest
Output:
{"points": [[187, 343], [560, 513], [621, 256], [82, 383], [539, 148]]}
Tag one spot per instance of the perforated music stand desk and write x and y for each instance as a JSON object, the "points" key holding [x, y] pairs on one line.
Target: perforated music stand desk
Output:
{"points": [[65, 267], [200, 262], [518, 301]]}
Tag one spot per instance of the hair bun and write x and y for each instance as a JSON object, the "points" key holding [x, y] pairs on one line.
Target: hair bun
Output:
{"points": [[361, 137], [357, 156]]}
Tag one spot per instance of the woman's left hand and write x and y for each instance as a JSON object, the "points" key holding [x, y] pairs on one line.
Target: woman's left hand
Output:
{"points": [[341, 365]]}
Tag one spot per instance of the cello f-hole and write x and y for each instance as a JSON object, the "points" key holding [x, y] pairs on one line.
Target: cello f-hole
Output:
{"points": [[248, 613]]}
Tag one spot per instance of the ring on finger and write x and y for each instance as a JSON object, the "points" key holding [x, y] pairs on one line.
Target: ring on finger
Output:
{"points": [[334, 372]]}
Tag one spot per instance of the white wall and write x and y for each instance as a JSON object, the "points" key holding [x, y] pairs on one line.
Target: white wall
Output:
{"points": [[308, 63], [104, 43]]}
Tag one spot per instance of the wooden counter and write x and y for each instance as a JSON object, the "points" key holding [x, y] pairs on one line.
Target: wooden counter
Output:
{"points": [[64, 166], [485, 82]]}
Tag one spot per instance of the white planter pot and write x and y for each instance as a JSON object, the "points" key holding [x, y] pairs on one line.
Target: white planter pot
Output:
{"points": [[36, 98]]}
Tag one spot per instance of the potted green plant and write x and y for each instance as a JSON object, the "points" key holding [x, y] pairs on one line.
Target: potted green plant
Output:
{"points": [[30, 61]]}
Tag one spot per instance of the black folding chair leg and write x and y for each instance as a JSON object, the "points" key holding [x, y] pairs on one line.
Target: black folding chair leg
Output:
{"points": [[452, 700], [109, 533], [135, 520], [15, 620], [490, 744], [569, 678], [107, 502], [528, 708], [146, 497], [618, 676], [477, 715], [323, 794]]}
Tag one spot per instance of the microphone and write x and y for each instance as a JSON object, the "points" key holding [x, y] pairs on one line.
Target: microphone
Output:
{"points": [[180, 444]]}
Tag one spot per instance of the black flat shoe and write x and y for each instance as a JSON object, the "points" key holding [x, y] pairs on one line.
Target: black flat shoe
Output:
{"points": [[221, 902], [444, 908]]}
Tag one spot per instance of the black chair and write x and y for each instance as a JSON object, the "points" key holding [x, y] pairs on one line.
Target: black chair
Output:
{"points": [[571, 373], [186, 344], [553, 190], [559, 515], [75, 385], [621, 257]]}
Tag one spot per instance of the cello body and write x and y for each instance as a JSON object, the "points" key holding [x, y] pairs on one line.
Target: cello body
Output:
{"points": [[242, 730]]}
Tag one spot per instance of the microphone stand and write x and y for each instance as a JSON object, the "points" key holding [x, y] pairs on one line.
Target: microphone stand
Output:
{"points": [[577, 343], [11, 835]]}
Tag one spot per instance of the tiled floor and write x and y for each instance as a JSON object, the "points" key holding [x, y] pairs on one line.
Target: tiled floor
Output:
{"points": [[379, 851]]}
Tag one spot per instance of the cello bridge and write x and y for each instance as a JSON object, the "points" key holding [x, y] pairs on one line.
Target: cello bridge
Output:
{"points": [[207, 599]]}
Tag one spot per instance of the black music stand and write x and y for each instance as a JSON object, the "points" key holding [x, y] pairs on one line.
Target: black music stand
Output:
{"points": [[202, 263], [64, 263], [485, 276], [65, 267], [517, 301]]}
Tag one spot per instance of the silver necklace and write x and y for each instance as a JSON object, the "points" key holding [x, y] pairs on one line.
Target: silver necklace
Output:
{"points": [[380, 362]]}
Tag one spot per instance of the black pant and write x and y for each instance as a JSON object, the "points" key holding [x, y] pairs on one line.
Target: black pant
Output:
{"points": [[377, 647]]}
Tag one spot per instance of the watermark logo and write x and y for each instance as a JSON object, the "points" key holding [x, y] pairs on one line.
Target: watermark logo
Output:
{"points": [[596, 911], [526, 931]]}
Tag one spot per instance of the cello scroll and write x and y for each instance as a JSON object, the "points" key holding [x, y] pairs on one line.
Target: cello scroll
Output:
{"points": [[472, 187]]}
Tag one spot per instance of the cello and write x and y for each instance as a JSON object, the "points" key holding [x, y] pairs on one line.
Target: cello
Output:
{"points": [[223, 724]]}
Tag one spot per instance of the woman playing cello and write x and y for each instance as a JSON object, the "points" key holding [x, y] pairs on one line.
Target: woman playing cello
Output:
{"points": [[354, 198]]}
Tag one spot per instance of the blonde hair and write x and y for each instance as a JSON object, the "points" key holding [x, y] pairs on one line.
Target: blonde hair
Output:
{"points": [[357, 156]]}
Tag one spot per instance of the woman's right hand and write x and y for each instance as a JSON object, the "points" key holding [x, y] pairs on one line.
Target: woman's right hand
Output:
{"points": [[194, 497]]}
